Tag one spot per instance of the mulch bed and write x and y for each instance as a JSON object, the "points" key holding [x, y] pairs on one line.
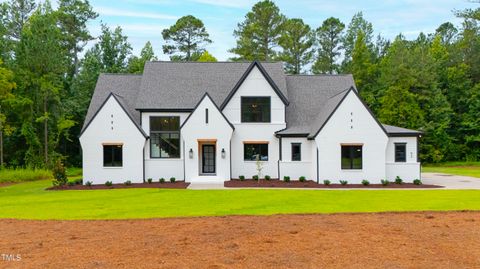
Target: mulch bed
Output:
{"points": [[275, 183], [6, 184], [153, 185]]}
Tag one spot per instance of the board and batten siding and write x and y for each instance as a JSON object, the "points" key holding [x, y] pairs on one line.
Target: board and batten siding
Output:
{"points": [[255, 84], [112, 125]]}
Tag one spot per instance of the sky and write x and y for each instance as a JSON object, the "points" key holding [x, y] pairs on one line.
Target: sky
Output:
{"points": [[144, 20]]}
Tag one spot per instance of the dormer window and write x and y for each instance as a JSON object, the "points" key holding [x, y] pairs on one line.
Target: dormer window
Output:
{"points": [[255, 109]]}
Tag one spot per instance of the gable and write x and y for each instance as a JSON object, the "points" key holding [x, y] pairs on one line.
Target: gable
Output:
{"points": [[347, 110], [214, 114]]}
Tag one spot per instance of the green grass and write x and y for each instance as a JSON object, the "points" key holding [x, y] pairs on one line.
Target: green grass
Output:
{"points": [[471, 169], [21, 175], [30, 201]]}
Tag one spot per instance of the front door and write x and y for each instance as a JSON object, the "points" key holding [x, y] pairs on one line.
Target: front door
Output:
{"points": [[208, 159]]}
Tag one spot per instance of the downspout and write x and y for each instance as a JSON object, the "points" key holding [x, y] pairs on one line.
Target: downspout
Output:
{"points": [[280, 155], [184, 174], [230, 150], [318, 169], [144, 145]]}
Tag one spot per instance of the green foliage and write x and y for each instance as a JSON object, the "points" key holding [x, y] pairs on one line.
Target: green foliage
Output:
{"points": [[417, 182], [357, 26], [302, 179], [286, 178], [22, 175], [108, 183], [242, 178], [186, 38], [206, 57], [365, 182], [267, 177], [59, 175], [255, 177], [161, 180], [398, 180], [149, 180], [172, 180], [128, 183], [137, 64], [259, 33], [385, 182], [296, 41], [343, 182], [329, 37], [89, 183], [327, 182]]}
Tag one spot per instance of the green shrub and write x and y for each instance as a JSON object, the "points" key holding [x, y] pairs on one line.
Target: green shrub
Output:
{"points": [[255, 177], [172, 179], [365, 182], [78, 181], [59, 175], [417, 182], [385, 182], [242, 178], [267, 177], [71, 183], [89, 183], [343, 182], [302, 179], [327, 182], [161, 180], [108, 183], [149, 181], [398, 180], [128, 183], [286, 178]]}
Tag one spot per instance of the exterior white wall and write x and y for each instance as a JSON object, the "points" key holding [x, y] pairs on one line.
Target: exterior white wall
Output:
{"points": [[352, 124], [296, 169], [217, 129], [408, 170], [112, 124], [255, 85], [156, 168]]}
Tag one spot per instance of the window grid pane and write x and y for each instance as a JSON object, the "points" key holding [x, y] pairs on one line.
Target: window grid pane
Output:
{"points": [[255, 109], [165, 137], [251, 151]]}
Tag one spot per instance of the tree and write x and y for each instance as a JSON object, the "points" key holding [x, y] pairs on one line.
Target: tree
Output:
{"points": [[74, 16], [357, 24], [113, 49], [329, 38], [6, 87], [137, 64], [185, 38], [399, 107], [471, 124], [447, 33], [258, 34], [206, 57], [296, 41]]}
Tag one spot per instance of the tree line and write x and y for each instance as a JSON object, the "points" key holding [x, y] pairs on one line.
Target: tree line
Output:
{"points": [[47, 76]]}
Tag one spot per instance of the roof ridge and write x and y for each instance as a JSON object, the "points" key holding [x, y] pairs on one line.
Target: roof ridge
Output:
{"points": [[340, 93], [121, 74], [217, 62], [318, 75]]}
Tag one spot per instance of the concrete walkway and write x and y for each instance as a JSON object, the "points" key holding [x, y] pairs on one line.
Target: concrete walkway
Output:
{"points": [[452, 182], [206, 186]]}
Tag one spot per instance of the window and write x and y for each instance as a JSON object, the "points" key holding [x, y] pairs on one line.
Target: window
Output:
{"points": [[255, 109], [251, 151], [400, 152], [351, 157], [296, 152], [164, 137], [112, 155], [206, 115]]}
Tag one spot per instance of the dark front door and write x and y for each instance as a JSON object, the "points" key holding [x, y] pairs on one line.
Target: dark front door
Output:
{"points": [[208, 159]]}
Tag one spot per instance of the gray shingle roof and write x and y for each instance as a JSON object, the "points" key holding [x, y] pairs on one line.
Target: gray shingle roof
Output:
{"points": [[394, 130], [312, 98], [125, 86], [179, 85]]}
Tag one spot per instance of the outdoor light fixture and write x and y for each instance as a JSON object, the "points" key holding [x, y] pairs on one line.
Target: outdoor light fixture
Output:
{"points": [[223, 153], [190, 153]]}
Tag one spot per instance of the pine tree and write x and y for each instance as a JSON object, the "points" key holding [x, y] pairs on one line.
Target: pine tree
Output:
{"points": [[329, 37], [296, 41]]}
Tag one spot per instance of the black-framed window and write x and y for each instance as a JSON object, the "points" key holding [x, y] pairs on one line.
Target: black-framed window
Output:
{"points": [[112, 155], [255, 109], [296, 152], [252, 151], [165, 137], [400, 152], [351, 157]]}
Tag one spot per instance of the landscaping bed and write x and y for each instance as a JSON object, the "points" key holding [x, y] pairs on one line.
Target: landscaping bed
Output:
{"points": [[165, 185], [275, 183]]}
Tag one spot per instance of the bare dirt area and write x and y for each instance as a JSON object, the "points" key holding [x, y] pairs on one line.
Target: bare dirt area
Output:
{"points": [[275, 183], [383, 240]]}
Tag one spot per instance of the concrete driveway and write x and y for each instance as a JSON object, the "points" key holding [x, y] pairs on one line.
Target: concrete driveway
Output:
{"points": [[451, 181]]}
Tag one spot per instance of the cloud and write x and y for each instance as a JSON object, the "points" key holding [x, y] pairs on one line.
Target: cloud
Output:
{"points": [[106, 11], [227, 3]]}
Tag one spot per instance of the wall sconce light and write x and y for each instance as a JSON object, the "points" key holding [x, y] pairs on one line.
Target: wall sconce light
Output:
{"points": [[223, 153], [190, 153]]}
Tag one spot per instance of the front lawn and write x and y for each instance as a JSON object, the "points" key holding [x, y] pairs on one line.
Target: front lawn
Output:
{"points": [[30, 201], [471, 169]]}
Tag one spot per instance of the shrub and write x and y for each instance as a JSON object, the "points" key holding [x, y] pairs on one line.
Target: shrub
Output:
{"points": [[89, 183], [71, 183], [302, 179], [365, 182], [108, 183], [78, 181], [150, 180], [267, 177], [327, 182], [161, 180], [242, 178], [417, 182], [385, 182], [286, 178], [172, 179], [343, 182], [255, 177], [59, 175], [398, 180], [128, 183]]}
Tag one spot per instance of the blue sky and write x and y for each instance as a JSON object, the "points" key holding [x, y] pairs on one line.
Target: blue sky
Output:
{"points": [[143, 20]]}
